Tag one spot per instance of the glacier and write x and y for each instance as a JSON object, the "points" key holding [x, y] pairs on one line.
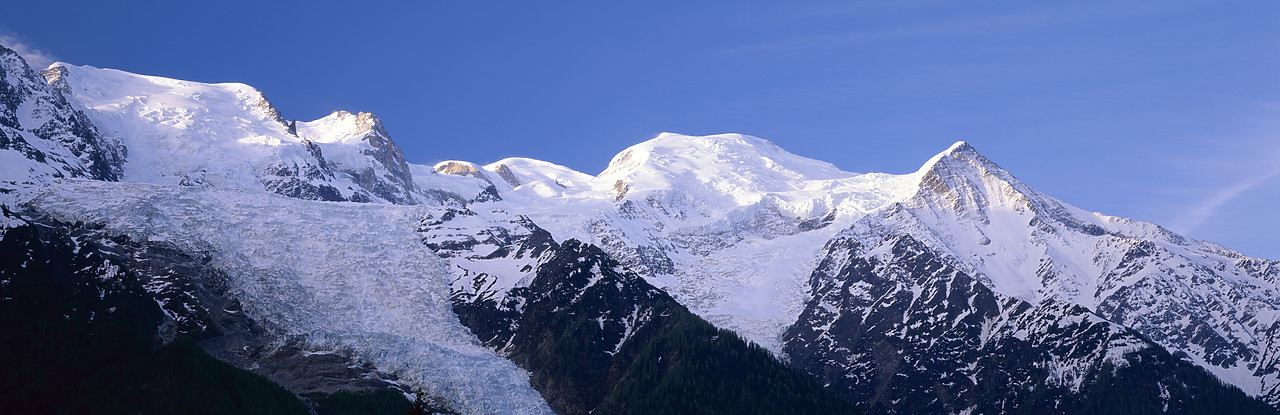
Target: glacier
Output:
{"points": [[337, 276]]}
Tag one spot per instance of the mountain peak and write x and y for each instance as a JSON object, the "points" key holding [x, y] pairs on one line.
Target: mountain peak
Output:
{"points": [[342, 126], [969, 181], [960, 146], [666, 147], [730, 163], [961, 152]]}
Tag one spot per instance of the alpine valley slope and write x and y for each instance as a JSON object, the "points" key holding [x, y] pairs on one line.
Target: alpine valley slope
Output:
{"points": [[954, 289]]}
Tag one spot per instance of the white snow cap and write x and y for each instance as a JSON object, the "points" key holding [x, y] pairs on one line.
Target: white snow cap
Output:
{"points": [[960, 149], [738, 167], [675, 154], [338, 127]]}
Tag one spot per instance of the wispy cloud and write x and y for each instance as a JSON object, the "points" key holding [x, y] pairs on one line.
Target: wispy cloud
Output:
{"points": [[1262, 165], [1208, 208], [36, 57]]}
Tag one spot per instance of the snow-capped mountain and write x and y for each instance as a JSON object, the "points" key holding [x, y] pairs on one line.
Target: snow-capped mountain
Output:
{"points": [[1217, 307], [229, 136], [734, 228], [352, 142], [42, 136], [730, 225], [525, 286]]}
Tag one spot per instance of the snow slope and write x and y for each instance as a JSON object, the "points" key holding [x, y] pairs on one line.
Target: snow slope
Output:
{"points": [[219, 134]]}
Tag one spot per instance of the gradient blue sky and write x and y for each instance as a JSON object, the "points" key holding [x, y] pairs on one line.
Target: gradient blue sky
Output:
{"points": [[1164, 111]]}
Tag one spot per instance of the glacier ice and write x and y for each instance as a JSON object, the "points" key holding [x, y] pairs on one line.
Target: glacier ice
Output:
{"points": [[337, 276]]}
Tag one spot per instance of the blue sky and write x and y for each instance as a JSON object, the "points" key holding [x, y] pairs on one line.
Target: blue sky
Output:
{"points": [[1164, 111]]}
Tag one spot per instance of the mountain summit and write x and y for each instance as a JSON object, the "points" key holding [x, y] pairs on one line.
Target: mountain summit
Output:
{"points": [[737, 166]]}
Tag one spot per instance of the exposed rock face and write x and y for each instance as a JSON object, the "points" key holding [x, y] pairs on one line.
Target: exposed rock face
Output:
{"points": [[574, 282], [505, 173], [57, 77], [354, 155], [38, 124], [904, 332], [366, 157], [490, 251], [392, 181], [305, 181], [465, 169], [619, 190], [260, 102], [461, 168]]}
